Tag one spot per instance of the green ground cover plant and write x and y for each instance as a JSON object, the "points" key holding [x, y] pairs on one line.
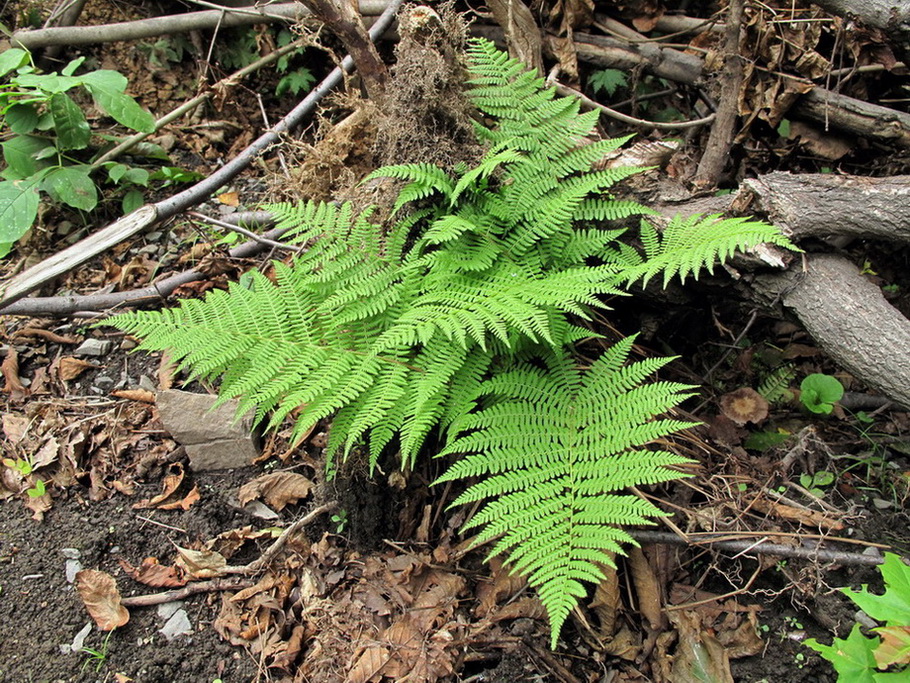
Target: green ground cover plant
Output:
{"points": [[49, 131], [457, 318], [883, 657]]}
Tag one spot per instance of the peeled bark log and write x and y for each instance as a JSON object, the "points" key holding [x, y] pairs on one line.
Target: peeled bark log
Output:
{"points": [[850, 320]]}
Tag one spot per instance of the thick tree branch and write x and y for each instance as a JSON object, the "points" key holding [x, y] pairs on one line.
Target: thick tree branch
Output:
{"points": [[892, 16], [828, 108], [169, 25], [342, 19], [717, 149], [825, 205]]}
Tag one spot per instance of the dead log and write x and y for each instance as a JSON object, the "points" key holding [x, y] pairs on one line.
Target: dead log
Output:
{"points": [[888, 15], [849, 318], [825, 206], [169, 25]]}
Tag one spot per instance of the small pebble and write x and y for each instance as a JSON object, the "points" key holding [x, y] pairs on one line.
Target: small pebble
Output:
{"points": [[72, 568], [71, 553], [167, 609]]}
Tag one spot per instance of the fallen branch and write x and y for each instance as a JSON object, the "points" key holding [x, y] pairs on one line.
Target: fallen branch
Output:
{"points": [[892, 17], [148, 215], [266, 558], [840, 557], [717, 148], [191, 104], [803, 205], [828, 108], [93, 303], [178, 23], [185, 592]]}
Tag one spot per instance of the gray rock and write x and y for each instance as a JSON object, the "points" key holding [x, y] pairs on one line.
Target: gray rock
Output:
{"points": [[71, 568], [167, 609], [213, 439], [94, 347], [178, 625]]}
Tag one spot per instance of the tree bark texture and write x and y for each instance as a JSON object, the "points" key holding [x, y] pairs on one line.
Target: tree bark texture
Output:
{"points": [[825, 205], [522, 34], [849, 318]]}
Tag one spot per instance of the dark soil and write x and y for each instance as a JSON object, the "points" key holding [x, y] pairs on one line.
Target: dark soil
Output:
{"points": [[40, 613]]}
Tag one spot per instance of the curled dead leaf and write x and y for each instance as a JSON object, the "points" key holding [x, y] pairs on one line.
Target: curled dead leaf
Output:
{"points": [[135, 395], [101, 598], [10, 370], [277, 489], [200, 564], [169, 486]]}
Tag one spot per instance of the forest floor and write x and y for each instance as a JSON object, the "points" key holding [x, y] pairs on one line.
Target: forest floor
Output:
{"points": [[381, 587]]}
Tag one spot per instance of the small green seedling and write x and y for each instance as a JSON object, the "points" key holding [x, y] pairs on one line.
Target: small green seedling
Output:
{"points": [[97, 656], [815, 483], [820, 392], [25, 470], [340, 519]]}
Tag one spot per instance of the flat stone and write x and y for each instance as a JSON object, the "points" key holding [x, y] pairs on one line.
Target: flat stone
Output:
{"points": [[94, 347], [213, 439], [178, 625]]}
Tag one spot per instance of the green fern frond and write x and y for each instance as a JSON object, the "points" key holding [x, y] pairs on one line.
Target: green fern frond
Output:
{"points": [[554, 447], [425, 180], [691, 244]]}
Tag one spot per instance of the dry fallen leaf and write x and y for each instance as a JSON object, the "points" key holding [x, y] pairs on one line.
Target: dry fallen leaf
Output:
{"points": [[229, 198], [14, 426], [152, 573], [10, 370], [70, 367], [184, 503], [135, 395], [200, 564], [99, 593], [169, 485], [276, 489]]}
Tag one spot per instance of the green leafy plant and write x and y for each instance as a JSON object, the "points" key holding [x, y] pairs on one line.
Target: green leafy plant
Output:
{"points": [[457, 317], [884, 657], [819, 393], [608, 81], [26, 468], [97, 656], [816, 483], [49, 131]]}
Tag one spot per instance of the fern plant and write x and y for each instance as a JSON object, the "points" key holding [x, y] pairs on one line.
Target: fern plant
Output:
{"points": [[455, 317]]}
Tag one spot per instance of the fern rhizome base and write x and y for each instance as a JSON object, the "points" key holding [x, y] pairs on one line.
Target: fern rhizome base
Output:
{"points": [[457, 317]]}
